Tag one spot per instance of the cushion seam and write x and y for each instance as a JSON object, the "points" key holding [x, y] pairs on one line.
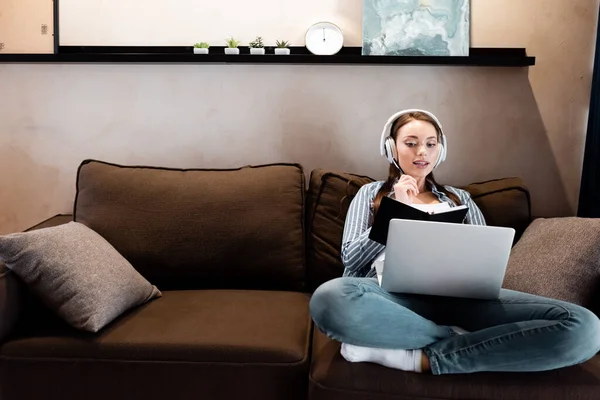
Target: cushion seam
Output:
{"points": [[303, 284], [504, 189], [118, 360], [497, 180], [142, 166]]}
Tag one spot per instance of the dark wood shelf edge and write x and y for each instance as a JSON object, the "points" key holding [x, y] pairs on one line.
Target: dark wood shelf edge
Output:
{"points": [[492, 57]]}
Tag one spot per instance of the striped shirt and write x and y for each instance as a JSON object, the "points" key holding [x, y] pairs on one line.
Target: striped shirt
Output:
{"points": [[358, 251]]}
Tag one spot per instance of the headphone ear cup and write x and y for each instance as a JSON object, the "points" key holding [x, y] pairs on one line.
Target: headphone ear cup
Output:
{"points": [[390, 150], [440, 158], [442, 153]]}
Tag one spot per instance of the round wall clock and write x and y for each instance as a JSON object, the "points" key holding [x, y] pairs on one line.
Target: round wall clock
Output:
{"points": [[324, 39]]}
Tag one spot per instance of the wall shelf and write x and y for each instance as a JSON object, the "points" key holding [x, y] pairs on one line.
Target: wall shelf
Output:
{"points": [[484, 57]]}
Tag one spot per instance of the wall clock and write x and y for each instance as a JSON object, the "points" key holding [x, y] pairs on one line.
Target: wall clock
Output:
{"points": [[324, 39]]}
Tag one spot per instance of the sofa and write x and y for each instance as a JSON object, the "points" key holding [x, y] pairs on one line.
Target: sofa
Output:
{"points": [[235, 254]]}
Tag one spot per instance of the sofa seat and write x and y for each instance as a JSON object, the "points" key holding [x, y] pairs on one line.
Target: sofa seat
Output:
{"points": [[188, 344], [332, 377]]}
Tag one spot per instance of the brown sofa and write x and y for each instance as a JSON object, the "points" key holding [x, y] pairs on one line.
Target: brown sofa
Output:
{"points": [[236, 254]]}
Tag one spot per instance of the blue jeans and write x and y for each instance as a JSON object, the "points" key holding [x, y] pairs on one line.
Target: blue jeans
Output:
{"points": [[518, 332]]}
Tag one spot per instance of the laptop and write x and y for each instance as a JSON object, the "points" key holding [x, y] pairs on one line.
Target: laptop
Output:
{"points": [[445, 259]]}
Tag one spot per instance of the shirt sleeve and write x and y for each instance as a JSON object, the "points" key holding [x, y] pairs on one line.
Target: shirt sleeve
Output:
{"points": [[358, 251], [474, 215]]}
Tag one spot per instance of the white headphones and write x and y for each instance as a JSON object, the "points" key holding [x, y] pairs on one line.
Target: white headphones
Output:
{"points": [[388, 145]]}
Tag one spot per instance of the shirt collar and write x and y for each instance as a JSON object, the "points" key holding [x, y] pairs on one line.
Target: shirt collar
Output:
{"points": [[440, 195]]}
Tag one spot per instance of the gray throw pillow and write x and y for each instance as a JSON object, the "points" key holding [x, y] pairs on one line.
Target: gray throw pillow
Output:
{"points": [[76, 273], [558, 258]]}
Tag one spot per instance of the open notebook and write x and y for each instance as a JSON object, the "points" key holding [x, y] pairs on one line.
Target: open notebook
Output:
{"points": [[392, 209]]}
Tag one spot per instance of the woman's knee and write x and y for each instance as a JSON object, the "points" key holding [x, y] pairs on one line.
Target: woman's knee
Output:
{"points": [[584, 335], [332, 301], [326, 299]]}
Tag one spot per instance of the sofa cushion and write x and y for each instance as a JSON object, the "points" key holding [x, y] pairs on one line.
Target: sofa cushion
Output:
{"points": [[207, 343], [190, 325], [332, 378], [76, 273], [328, 198], [504, 202], [237, 228], [558, 258]]}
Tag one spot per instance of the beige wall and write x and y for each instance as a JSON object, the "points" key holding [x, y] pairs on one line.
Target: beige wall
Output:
{"points": [[183, 22], [21, 26], [500, 121]]}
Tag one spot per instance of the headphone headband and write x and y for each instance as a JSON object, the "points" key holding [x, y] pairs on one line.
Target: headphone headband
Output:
{"points": [[386, 135]]}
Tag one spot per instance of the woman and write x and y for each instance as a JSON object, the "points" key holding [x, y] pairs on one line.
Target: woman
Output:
{"points": [[518, 332]]}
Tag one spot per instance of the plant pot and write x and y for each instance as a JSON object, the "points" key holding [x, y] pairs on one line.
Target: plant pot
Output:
{"points": [[232, 50], [200, 51], [282, 51], [260, 50]]}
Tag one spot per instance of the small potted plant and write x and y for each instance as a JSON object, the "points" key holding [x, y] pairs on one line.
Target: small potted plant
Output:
{"points": [[257, 46], [282, 47], [232, 46], [201, 48]]}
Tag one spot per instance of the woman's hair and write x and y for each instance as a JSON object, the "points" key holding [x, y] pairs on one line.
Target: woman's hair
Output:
{"points": [[394, 173]]}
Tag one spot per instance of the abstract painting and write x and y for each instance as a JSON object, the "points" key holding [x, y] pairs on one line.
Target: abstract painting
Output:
{"points": [[416, 27]]}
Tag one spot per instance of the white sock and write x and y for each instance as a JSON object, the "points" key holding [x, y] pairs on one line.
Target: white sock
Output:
{"points": [[405, 360], [459, 330]]}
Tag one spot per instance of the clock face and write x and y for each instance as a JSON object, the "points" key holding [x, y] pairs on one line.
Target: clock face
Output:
{"points": [[324, 38]]}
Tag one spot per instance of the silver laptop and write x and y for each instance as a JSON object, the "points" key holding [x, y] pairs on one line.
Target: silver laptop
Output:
{"points": [[445, 259]]}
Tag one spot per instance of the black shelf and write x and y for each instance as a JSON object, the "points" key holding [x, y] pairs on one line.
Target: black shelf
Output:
{"points": [[485, 57]]}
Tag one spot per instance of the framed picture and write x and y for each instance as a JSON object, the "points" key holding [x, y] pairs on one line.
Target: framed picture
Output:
{"points": [[416, 27]]}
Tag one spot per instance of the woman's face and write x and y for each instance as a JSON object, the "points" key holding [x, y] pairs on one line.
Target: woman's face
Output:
{"points": [[417, 147]]}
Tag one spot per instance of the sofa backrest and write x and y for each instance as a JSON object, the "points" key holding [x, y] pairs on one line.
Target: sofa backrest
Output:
{"points": [[504, 202], [242, 228], [200, 228], [328, 198]]}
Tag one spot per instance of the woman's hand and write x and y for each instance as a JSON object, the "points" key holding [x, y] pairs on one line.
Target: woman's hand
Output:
{"points": [[406, 189]]}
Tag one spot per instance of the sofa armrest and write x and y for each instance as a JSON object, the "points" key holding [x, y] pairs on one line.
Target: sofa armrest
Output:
{"points": [[11, 288], [10, 300]]}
